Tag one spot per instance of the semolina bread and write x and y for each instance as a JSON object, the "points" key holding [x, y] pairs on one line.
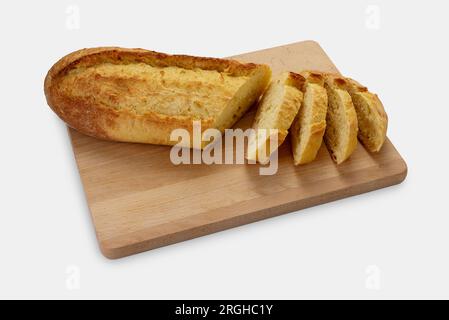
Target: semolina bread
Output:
{"points": [[341, 119], [371, 116], [276, 111], [136, 95], [310, 123]]}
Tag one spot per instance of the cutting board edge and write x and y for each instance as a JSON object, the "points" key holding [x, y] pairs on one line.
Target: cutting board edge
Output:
{"points": [[114, 248]]}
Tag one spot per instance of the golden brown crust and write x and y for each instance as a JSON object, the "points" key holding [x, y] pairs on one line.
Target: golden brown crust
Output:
{"points": [[356, 86], [336, 81], [313, 77], [98, 120], [295, 80]]}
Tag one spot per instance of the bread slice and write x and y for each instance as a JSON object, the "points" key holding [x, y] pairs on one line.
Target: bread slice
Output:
{"points": [[371, 116], [276, 110], [309, 125], [341, 119], [136, 95]]}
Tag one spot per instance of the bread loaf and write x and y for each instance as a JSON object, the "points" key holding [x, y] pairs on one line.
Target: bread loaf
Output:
{"points": [[137, 95]]}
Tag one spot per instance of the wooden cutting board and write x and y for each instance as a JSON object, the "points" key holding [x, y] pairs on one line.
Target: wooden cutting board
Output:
{"points": [[139, 200]]}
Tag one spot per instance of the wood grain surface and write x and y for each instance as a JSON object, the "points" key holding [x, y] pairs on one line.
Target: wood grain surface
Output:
{"points": [[139, 200]]}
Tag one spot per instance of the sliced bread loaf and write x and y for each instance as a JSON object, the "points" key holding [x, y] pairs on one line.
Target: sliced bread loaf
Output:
{"points": [[310, 123], [136, 95], [276, 110], [341, 119]]}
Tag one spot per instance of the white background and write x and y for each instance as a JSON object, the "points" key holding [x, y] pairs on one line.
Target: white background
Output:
{"points": [[391, 243]]}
